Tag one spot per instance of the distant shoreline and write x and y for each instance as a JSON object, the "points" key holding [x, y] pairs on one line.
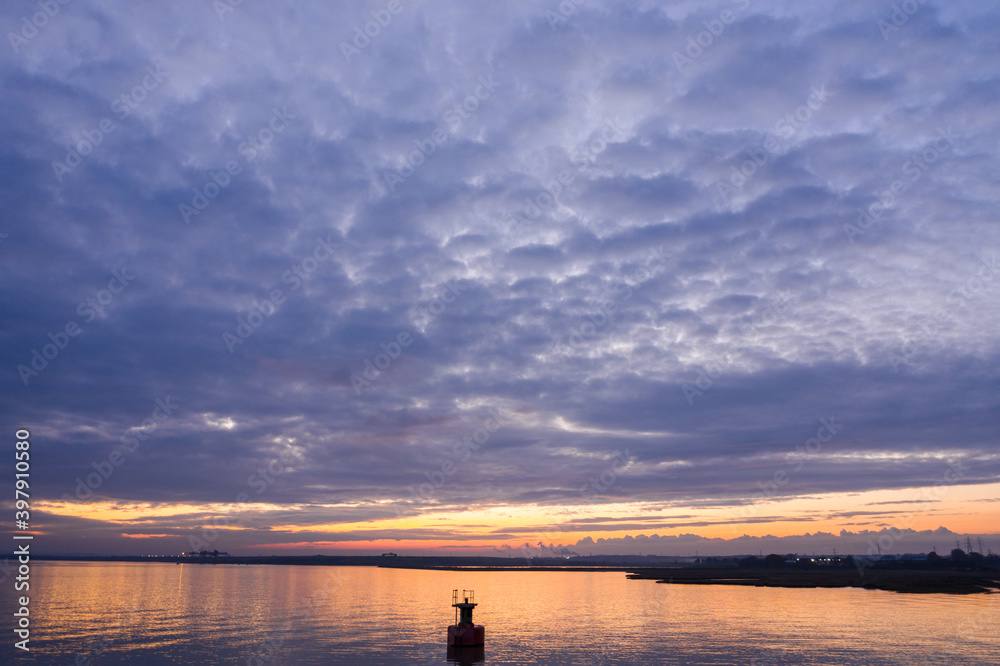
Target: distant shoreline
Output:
{"points": [[392, 562], [908, 580], [917, 581]]}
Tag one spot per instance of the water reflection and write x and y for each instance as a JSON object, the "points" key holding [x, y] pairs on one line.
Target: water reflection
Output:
{"points": [[473, 654], [152, 614]]}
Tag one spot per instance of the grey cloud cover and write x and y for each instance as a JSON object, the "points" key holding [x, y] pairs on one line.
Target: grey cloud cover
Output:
{"points": [[516, 256]]}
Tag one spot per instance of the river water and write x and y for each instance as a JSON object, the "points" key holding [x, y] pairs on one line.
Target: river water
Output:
{"points": [[137, 613]]}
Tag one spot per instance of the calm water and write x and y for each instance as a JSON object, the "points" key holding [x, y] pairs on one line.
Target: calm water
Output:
{"points": [[225, 614]]}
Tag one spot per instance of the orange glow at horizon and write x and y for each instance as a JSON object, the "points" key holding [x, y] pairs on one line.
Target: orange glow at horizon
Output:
{"points": [[962, 509], [378, 544]]}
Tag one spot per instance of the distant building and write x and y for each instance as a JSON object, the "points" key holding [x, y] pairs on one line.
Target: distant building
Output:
{"points": [[914, 557], [204, 554], [389, 555]]}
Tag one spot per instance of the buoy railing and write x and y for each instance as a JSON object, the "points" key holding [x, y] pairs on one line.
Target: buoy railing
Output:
{"points": [[468, 597]]}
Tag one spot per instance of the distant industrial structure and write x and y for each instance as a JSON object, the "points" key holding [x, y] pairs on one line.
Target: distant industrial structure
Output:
{"points": [[205, 554]]}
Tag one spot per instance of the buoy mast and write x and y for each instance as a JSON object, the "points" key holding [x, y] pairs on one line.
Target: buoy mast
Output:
{"points": [[465, 632]]}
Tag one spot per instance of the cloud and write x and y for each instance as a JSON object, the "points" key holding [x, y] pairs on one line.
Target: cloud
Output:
{"points": [[563, 251], [862, 543]]}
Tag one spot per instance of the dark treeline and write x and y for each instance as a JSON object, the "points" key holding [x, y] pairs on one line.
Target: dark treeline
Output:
{"points": [[957, 560]]}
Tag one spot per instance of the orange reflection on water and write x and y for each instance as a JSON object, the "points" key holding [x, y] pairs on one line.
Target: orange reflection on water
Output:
{"points": [[121, 613]]}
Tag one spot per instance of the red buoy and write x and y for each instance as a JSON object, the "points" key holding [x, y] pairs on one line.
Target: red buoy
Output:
{"points": [[465, 632]]}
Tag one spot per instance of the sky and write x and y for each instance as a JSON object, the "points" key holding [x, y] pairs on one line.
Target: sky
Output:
{"points": [[521, 278]]}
